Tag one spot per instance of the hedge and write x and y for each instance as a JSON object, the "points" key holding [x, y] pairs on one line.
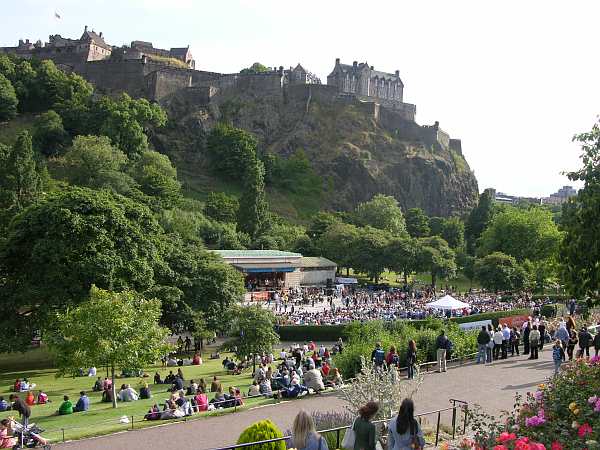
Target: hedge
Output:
{"points": [[305, 333]]}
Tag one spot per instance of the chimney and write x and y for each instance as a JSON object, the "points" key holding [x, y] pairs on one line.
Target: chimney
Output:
{"points": [[21, 42], [397, 73], [372, 68], [337, 61], [85, 29], [100, 34]]}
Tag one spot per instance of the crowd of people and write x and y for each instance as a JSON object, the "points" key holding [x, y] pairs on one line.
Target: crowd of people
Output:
{"points": [[319, 306]]}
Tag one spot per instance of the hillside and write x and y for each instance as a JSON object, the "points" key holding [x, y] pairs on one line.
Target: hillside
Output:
{"points": [[356, 154]]}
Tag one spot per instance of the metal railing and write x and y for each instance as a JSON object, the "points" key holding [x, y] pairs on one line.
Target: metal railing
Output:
{"points": [[456, 405]]}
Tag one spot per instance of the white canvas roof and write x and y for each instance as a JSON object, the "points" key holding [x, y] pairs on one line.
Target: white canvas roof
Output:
{"points": [[447, 302]]}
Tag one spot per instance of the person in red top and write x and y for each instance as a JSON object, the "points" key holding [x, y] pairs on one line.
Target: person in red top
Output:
{"points": [[17, 385], [325, 369], [201, 400], [389, 359], [42, 398], [30, 399]]}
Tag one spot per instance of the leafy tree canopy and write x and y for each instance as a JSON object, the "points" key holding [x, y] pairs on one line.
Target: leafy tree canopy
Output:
{"points": [[49, 135], [8, 99], [231, 150], [252, 331], [368, 251], [255, 68], [157, 178], [417, 223], [500, 272], [437, 258], [478, 220], [382, 212], [221, 207]]}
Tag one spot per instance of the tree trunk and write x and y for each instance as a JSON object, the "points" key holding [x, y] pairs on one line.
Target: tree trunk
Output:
{"points": [[433, 279], [347, 271], [253, 364], [113, 388], [405, 278]]}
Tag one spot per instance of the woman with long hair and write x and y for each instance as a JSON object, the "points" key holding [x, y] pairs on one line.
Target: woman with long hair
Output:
{"points": [[404, 432], [364, 430], [411, 359], [304, 434]]}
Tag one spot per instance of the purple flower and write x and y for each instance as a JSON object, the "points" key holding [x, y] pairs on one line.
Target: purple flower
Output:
{"points": [[535, 421], [592, 400]]}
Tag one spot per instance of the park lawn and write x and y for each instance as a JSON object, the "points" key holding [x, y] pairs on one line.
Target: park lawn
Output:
{"points": [[397, 280], [102, 418]]}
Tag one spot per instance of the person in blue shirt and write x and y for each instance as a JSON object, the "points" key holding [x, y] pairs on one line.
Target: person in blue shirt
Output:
{"points": [[558, 355], [404, 432], [3, 404], [83, 404]]}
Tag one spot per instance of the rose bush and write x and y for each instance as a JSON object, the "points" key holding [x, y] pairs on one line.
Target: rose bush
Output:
{"points": [[562, 415]]}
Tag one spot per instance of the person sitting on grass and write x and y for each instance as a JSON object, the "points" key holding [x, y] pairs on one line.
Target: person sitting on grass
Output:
{"points": [[107, 384], [192, 388], [153, 413], [254, 390], [215, 385], [17, 385], [30, 398], [42, 398], [219, 400], [197, 360], [4, 406], [83, 404], [6, 438], [295, 390], [157, 379], [177, 384], [184, 404], [66, 407], [200, 400], [98, 385], [145, 390], [128, 394], [265, 388], [313, 380], [172, 410]]}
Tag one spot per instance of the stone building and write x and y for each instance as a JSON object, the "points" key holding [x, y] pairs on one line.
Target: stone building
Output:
{"points": [[182, 54], [299, 75], [363, 80], [89, 47]]}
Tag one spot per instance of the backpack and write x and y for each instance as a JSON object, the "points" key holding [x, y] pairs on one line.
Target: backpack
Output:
{"points": [[395, 359], [379, 356]]}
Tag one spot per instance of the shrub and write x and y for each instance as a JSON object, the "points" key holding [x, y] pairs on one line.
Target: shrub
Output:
{"points": [[262, 431], [548, 311], [329, 420]]}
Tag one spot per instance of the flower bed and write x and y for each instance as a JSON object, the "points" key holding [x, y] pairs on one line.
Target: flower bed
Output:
{"points": [[562, 415]]}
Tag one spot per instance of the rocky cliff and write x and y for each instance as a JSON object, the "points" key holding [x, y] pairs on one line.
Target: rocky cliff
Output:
{"points": [[357, 149]]}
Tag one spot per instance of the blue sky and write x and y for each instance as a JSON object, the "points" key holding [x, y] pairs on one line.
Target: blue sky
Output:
{"points": [[513, 79]]}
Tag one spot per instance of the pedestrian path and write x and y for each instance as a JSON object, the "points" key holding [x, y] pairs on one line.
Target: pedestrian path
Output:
{"points": [[492, 386]]}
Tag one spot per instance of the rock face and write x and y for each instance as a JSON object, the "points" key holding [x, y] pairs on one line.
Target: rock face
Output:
{"points": [[357, 148]]}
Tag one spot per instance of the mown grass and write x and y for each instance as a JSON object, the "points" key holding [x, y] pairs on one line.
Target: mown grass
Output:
{"points": [[36, 365]]}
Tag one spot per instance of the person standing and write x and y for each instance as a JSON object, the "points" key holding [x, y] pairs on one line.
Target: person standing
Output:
{"points": [[364, 429], [404, 432], [585, 339], [534, 342], [505, 341], [542, 330], [563, 334], [22, 407], [441, 345], [515, 340], [572, 307], [498, 339], [490, 346], [483, 339], [558, 355], [597, 342], [572, 343], [411, 359], [526, 331]]}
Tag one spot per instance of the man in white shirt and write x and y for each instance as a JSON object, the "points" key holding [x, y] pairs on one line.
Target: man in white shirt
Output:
{"points": [[498, 339]]}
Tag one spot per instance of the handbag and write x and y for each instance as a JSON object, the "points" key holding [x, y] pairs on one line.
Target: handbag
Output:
{"points": [[415, 444], [349, 438]]}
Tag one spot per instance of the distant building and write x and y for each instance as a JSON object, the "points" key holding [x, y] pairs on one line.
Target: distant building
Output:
{"points": [[507, 199], [561, 196]]}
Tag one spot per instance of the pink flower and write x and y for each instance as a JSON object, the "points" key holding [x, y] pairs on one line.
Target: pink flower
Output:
{"points": [[539, 395], [592, 400], [535, 421], [584, 430], [536, 446], [556, 446], [504, 436], [500, 447]]}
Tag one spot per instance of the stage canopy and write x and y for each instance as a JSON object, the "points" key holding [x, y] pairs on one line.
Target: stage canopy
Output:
{"points": [[448, 302]]}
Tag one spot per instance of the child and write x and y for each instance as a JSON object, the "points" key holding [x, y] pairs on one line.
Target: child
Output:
{"points": [[558, 355]]}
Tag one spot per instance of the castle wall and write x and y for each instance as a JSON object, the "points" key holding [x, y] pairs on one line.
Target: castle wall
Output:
{"points": [[162, 83], [456, 145], [107, 75]]}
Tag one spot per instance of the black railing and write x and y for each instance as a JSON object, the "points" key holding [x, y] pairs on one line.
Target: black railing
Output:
{"points": [[456, 405]]}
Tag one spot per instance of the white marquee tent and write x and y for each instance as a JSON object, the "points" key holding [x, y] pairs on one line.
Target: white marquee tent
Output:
{"points": [[447, 302]]}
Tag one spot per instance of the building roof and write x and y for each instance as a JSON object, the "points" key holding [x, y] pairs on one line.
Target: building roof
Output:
{"points": [[96, 39], [179, 51], [318, 261], [256, 254]]}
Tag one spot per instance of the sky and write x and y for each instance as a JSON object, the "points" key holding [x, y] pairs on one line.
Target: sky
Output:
{"points": [[515, 80]]}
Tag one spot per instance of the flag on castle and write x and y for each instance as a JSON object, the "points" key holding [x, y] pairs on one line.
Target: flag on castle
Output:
{"points": [[57, 15]]}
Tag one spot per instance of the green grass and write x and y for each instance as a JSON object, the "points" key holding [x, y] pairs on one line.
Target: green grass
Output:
{"points": [[101, 418], [396, 280], [9, 130]]}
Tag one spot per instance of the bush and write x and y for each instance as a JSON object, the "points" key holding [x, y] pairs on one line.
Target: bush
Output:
{"points": [[8, 99], [548, 311], [305, 333], [262, 431]]}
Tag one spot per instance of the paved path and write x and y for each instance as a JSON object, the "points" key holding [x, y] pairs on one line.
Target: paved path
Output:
{"points": [[492, 386]]}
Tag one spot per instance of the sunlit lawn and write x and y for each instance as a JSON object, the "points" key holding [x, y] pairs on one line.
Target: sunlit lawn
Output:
{"points": [[101, 418], [396, 280]]}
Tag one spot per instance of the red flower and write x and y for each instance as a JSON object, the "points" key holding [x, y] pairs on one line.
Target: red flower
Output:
{"points": [[584, 430], [556, 446], [500, 447], [504, 436]]}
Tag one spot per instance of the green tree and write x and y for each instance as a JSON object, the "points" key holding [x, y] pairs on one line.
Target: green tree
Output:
{"points": [[382, 212], [157, 178], [500, 272], [255, 68], [437, 258], [49, 136], [252, 332], [20, 181], [8, 99], [93, 162], [231, 150], [478, 220], [368, 251], [321, 221], [580, 248], [221, 207], [57, 249], [453, 232], [522, 233], [337, 242], [253, 213], [112, 329], [7, 66], [402, 256], [417, 223]]}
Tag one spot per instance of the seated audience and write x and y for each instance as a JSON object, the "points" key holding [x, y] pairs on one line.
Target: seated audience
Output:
{"points": [[157, 379], [127, 394], [145, 391], [201, 400], [4, 406], [219, 400], [66, 407], [107, 384], [83, 404], [202, 384], [314, 380], [197, 360], [42, 398], [98, 385], [169, 378], [215, 385], [30, 398], [254, 390]]}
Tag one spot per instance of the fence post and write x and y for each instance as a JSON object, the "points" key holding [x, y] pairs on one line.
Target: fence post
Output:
{"points": [[132, 422], [454, 420], [466, 411], [337, 439], [437, 430], [63, 434]]}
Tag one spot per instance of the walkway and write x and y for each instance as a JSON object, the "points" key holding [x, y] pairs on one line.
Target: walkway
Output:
{"points": [[492, 386]]}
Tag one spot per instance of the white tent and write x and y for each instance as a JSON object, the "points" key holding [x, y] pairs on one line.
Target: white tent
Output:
{"points": [[448, 302]]}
